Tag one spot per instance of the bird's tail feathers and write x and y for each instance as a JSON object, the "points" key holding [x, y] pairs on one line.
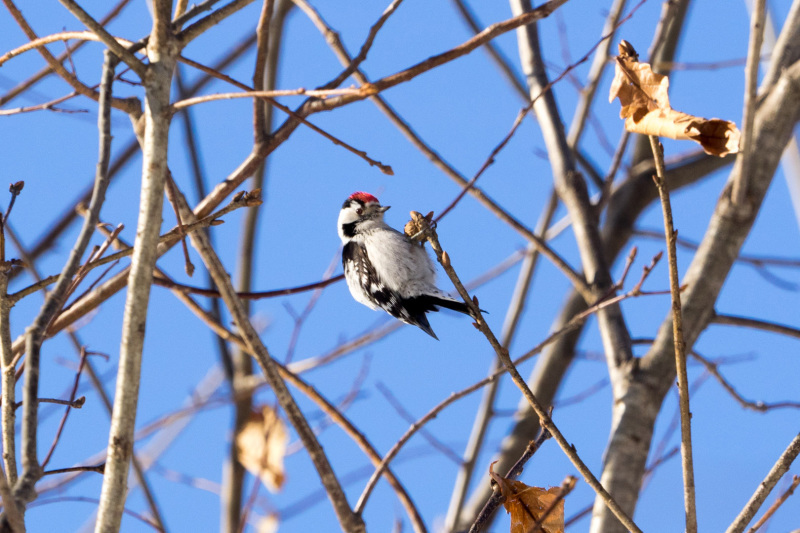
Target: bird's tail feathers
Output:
{"points": [[421, 321], [455, 305]]}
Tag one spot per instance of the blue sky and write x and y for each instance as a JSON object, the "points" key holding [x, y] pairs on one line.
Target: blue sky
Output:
{"points": [[463, 110]]}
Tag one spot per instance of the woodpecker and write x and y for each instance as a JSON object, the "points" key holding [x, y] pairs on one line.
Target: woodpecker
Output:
{"points": [[384, 269]]}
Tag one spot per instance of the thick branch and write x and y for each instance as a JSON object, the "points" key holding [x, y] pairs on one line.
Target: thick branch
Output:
{"points": [[162, 53]]}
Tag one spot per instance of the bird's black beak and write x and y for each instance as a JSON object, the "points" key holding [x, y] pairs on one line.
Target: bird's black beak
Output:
{"points": [[383, 208]]}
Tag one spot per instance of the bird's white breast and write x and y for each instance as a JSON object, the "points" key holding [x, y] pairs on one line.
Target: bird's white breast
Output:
{"points": [[403, 266]]}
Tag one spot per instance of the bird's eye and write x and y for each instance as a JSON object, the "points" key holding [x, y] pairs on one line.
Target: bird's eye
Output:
{"points": [[359, 211]]}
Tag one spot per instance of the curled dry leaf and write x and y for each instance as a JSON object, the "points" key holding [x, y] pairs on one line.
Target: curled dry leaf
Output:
{"points": [[644, 101], [261, 447], [414, 226], [527, 504]]}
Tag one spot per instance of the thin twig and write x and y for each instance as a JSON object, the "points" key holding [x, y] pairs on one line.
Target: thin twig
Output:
{"points": [[497, 499], [6, 360], [129, 105], [349, 521], [54, 301], [427, 435], [215, 17], [486, 409], [45, 106], [183, 18], [775, 506], [70, 404], [777, 471], [566, 487], [386, 169], [689, 497], [98, 29], [762, 407], [172, 236], [261, 127], [30, 82], [494, 52], [355, 63], [733, 320], [258, 295], [171, 190], [739, 188], [188, 102], [100, 469], [599, 64]]}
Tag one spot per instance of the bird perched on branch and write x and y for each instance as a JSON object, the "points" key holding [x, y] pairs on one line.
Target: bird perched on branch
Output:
{"points": [[385, 269]]}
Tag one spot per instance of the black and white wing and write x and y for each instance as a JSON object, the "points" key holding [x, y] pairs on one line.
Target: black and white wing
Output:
{"points": [[367, 288]]}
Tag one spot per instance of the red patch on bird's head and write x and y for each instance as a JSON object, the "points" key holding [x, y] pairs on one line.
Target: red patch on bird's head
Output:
{"points": [[364, 197]]}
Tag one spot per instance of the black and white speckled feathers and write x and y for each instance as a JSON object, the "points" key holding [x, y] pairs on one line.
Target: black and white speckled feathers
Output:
{"points": [[384, 269]]}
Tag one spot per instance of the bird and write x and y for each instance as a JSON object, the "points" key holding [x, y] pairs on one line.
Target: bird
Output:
{"points": [[385, 269]]}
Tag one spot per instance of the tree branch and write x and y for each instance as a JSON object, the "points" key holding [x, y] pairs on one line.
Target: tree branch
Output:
{"points": [[349, 521], [777, 471], [162, 53], [739, 189], [689, 497], [24, 489], [98, 29]]}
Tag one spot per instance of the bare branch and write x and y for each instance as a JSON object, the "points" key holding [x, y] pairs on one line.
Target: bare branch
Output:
{"points": [[30, 82], [733, 320], [689, 497], [129, 105], [739, 189], [775, 506], [762, 407], [98, 29], [544, 417], [199, 27], [349, 521], [162, 53], [777, 471], [35, 335]]}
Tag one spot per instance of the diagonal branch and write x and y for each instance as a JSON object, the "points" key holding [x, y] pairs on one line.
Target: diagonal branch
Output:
{"points": [[200, 27], [24, 489], [502, 353], [349, 521], [129, 105], [777, 471], [109, 40]]}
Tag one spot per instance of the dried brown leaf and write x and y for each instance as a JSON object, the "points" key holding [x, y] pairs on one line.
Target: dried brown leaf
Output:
{"points": [[644, 101], [527, 504], [261, 447], [414, 226]]}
